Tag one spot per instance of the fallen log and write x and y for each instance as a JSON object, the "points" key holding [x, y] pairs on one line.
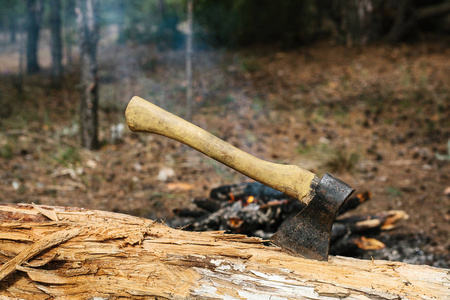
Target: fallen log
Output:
{"points": [[55, 252]]}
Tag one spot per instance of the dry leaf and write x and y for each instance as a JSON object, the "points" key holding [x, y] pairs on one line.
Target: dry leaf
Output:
{"points": [[183, 186], [369, 243]]}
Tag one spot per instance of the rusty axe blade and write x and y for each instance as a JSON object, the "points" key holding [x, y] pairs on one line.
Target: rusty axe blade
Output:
{"points": [[308, 234]]}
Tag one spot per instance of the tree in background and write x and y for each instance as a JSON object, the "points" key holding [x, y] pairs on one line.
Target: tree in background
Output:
{"points": [[88, 28], [10, 12], [34, 12], [56, 45], [153, 22], [189, 51], [69, 19], [292, 23], [246, 22], [408, 17], [121, 21]]}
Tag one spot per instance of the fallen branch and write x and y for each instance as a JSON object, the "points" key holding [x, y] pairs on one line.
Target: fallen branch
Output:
{"points": [[109, 255]]}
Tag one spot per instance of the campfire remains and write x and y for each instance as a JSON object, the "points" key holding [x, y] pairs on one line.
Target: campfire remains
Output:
{"points": [[257, 210]]}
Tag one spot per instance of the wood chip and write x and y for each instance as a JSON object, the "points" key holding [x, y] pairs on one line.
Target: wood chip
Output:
{"points": [[49, 213]]}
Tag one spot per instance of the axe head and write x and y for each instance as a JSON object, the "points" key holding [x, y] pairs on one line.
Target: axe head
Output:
{"points": [[308, 233]]}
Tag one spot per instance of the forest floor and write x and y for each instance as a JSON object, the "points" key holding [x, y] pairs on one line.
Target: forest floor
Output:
{"points": [[378, 117]]}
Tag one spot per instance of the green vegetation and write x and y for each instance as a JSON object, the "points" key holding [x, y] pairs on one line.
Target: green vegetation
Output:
{"points": [[68, 156], [394, 192], [251, 64], [6, 150], [342, 160], [338, 160], [304, 149]]}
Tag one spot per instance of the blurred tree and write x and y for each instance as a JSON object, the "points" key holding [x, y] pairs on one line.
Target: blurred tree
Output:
{"points": [[121, 21], [88, 27], [189, 59], [161, 8], [13, 28], [360, 22], [56, 45], [292, 23], [245, 22], [11, 11], [154, 22], [34, 12], [410, 14], [69, 32]]}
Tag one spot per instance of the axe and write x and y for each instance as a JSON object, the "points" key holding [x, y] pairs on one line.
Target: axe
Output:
{"points": [[305, 235]]}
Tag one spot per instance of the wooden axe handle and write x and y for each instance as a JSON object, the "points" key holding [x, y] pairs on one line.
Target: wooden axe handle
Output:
{"points": [[142, 116]]}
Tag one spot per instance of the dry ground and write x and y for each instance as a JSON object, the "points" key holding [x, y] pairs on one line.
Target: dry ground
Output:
{"points": [[376, 116]]}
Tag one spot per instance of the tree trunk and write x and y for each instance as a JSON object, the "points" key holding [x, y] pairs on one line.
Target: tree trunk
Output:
{"points": [[12, 22], [88, 26], [189, 60], [161, 9], [55, 27], [69, 20], [359, 22], [56, 252], [121, 21], [407, 17], [34, 11]]}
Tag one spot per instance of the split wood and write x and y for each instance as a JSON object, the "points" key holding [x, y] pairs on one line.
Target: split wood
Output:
{"points": [[87, 254]]}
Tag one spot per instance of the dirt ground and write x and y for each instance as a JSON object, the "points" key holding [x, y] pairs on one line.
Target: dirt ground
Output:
{"points": [[378, 117]]}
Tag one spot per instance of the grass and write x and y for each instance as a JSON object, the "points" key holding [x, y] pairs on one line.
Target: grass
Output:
{"points": [[6, 150], [304, 149], [69, 156], [338, 160], [250, 64], [321, 149], [341, 116], [394, 192], [342, 160]]}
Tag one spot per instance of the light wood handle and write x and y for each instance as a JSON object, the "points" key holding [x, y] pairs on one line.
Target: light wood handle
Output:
{"points": [[142, 116]]}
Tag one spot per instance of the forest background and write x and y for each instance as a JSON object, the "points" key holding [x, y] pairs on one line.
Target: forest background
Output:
{"points": [[358, 88]]}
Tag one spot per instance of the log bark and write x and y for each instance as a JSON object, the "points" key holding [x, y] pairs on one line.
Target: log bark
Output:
{"points": [[56, 252]]}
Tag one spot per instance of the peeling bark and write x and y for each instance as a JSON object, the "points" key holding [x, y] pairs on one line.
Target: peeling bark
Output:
{"points": [[83, 254]]}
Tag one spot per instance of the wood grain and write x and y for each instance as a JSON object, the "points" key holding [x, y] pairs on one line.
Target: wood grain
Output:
{"points": [[114, 255]]}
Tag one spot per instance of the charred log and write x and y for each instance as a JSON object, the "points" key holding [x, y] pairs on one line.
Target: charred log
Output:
{"points": [[242, 191], [257, 210], [354, 202], [207, 204]]}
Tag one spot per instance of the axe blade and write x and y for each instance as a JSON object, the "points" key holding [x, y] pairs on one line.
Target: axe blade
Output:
{"points": [[308, 233]]}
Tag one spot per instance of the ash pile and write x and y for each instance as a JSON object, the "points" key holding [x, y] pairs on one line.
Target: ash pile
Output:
{"points": [[256, 210]]}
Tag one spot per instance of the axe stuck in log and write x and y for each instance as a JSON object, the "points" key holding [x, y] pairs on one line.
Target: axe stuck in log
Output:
{"points": [[308, 233]]}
